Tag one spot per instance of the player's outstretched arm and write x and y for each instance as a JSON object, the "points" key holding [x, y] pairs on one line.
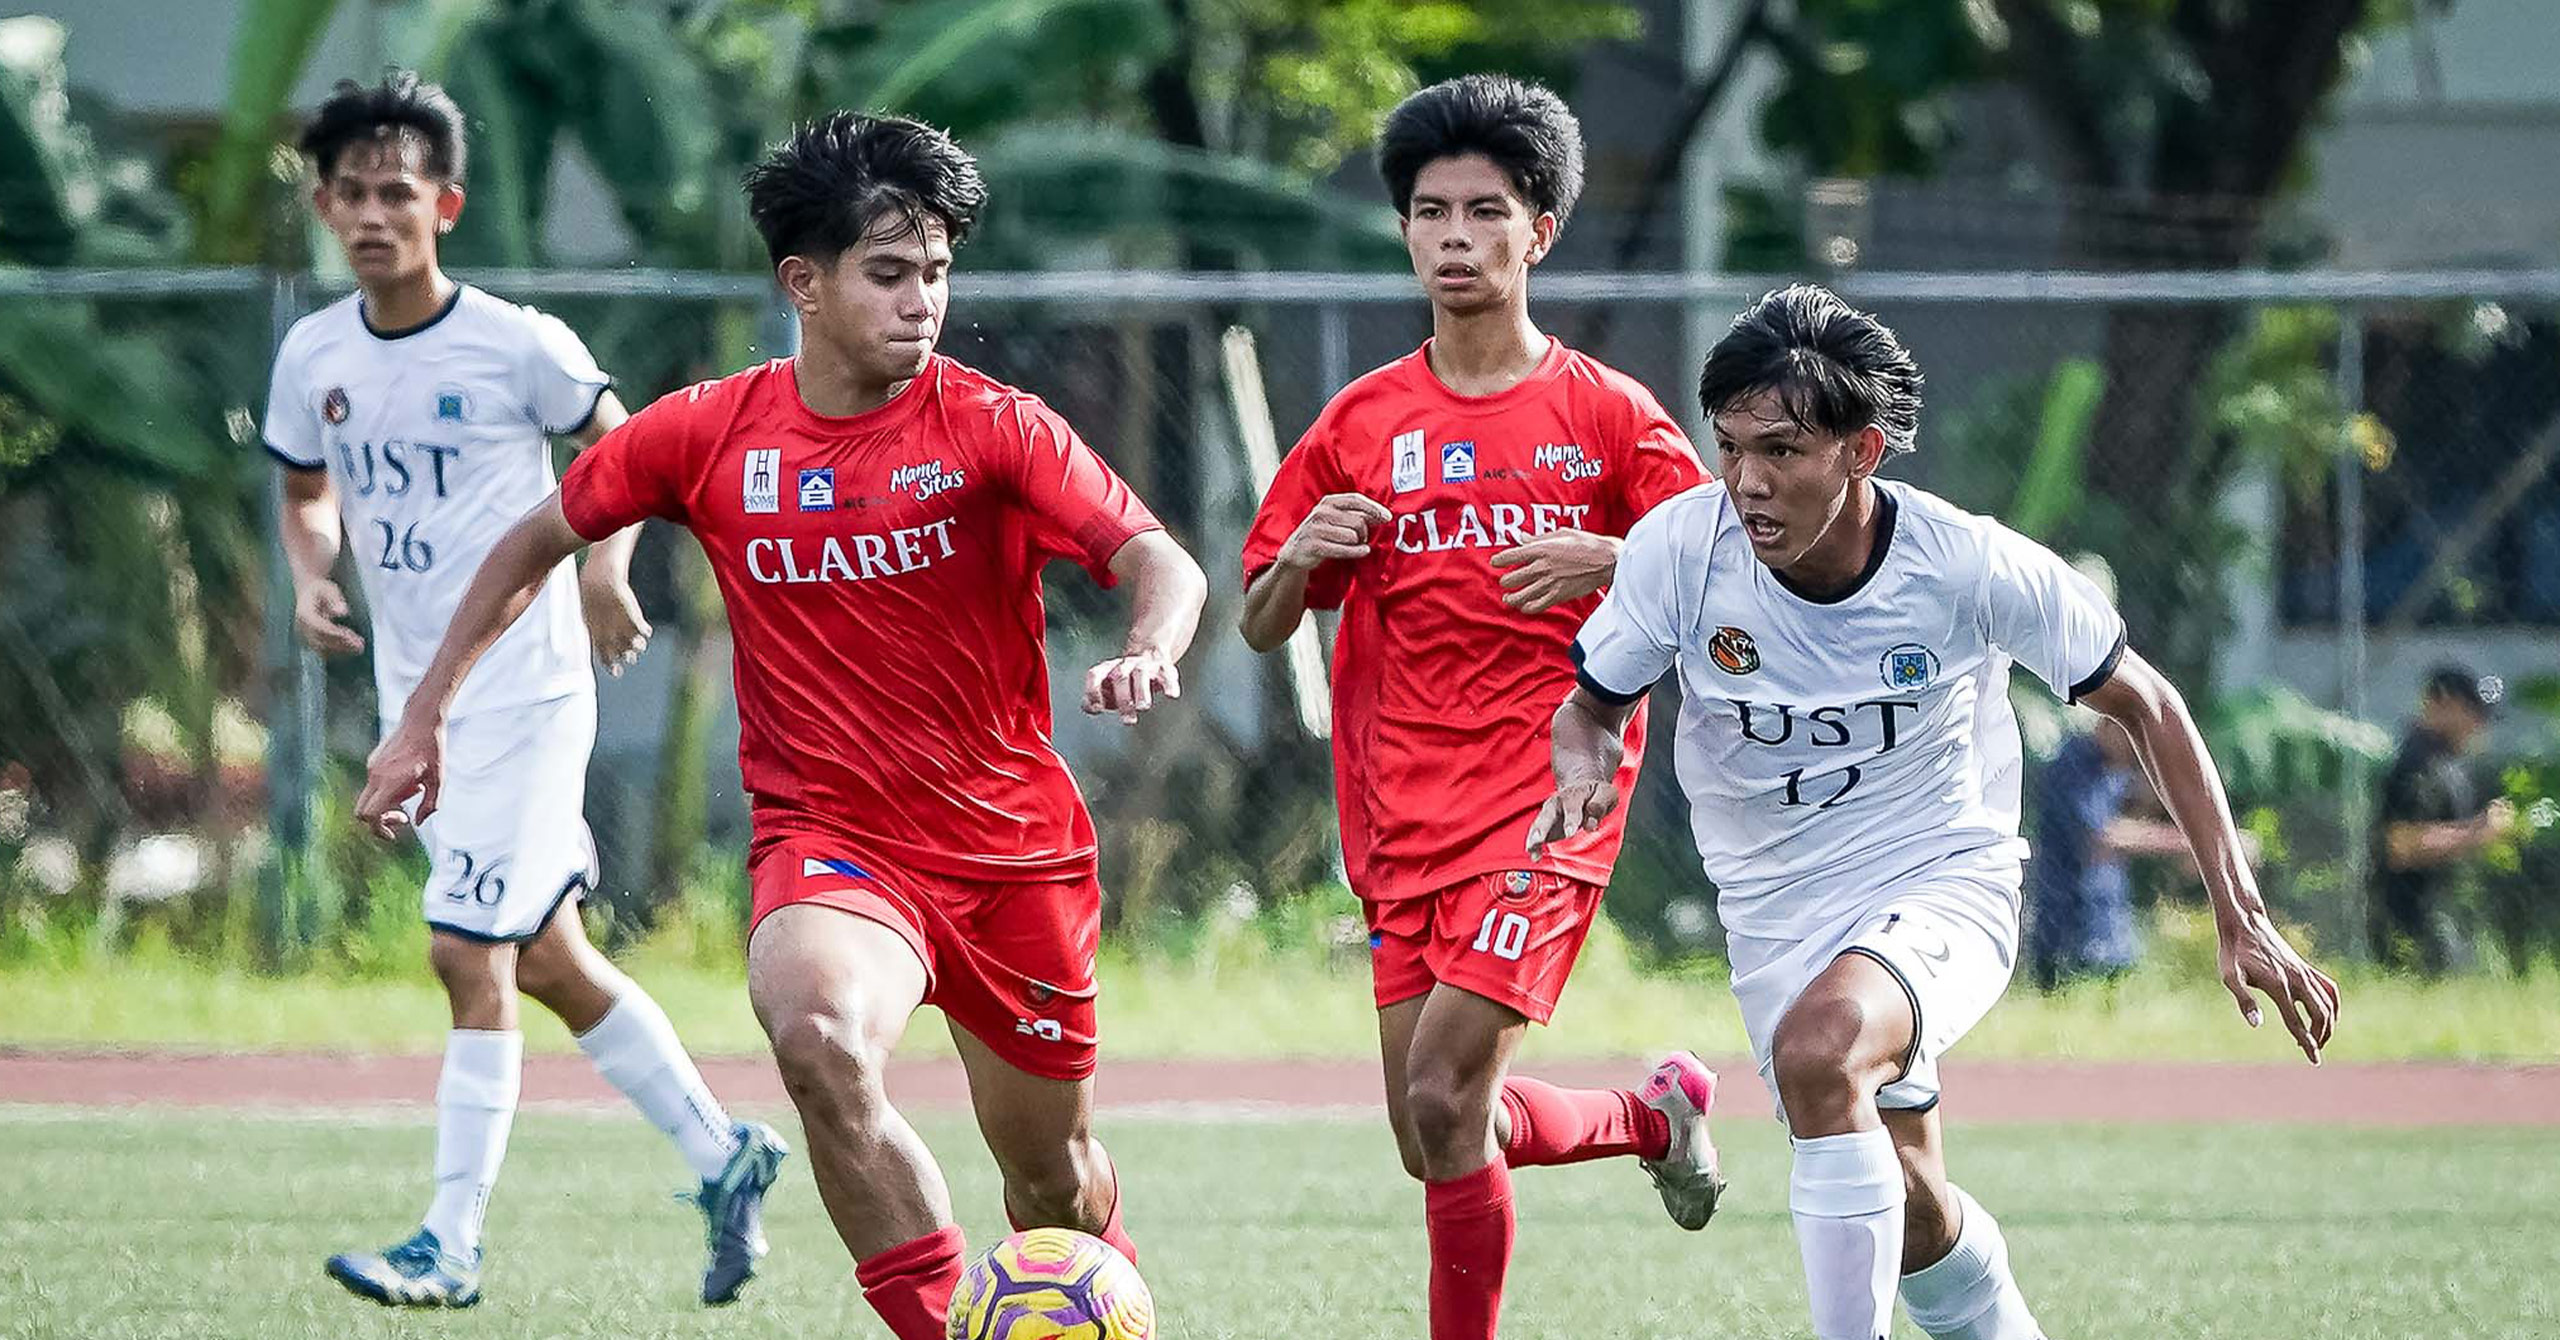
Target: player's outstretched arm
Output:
{"points": [[1338, 528], [1170, 591], [616, 628], [410, 761], [1590, 743], [2255, 956], [307, 523]]}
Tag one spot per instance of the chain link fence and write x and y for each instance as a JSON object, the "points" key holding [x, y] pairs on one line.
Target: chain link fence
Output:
{"points": [[2306, 490]]}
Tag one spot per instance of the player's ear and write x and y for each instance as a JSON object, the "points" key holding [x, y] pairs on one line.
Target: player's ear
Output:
{"points": [[1866, 451], [1542, 236], [448, 206], [799, 277]]}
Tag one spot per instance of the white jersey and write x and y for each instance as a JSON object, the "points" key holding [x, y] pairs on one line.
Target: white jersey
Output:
{"points": [[438, 439], [1832, 749]]}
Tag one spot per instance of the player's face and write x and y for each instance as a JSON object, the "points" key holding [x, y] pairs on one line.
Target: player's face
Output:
{"points": [[385, 210], [1471, 237], [1791, 482], [881, 304]]}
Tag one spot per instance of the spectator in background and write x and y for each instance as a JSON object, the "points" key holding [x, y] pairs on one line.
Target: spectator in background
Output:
{"points": [[2436, 814], [2079, 893]]}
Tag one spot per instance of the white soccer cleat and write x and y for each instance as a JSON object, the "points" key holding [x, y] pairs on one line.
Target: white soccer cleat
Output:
{"points": [[1683, 1090]]}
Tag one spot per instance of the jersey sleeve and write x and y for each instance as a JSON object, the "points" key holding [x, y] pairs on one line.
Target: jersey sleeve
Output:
{"points": [[2047, 616], [1306, 476], [1082, 510], [1656, 461], [563, 385], [1632, 639], [292, 429], [639, 470]]}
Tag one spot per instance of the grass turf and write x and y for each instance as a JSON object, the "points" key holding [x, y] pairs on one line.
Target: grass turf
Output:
{"points": [[1279, 1006], [146, 1223]]}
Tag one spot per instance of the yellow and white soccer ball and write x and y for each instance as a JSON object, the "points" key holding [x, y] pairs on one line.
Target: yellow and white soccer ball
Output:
{"points": [[1051, 1284]]}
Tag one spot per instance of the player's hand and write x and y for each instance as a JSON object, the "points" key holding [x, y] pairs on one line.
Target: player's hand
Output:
{"points": [[2256, 957], [615, 627], [318, 607], [1338, 528], [1128, 685], [1553, 568], [1574, 807], [409, 762]]}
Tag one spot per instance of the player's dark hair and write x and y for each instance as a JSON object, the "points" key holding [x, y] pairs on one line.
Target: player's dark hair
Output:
{"points": [[846, 177], [1836, 369], [1524, 128], [401, 107]]}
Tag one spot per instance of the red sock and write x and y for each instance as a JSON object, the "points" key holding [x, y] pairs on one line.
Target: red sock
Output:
{"points": [[910, 1284], [1470, 1225], [1551, 1125], [1111, 1231]]}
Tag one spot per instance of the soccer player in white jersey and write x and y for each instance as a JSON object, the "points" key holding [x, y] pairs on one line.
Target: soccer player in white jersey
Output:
{"points": [[1843, 645], [416, 413]]}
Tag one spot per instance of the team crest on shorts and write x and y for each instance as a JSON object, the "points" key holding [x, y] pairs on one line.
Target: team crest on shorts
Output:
{"points": [[333, 406], [1910, 668], [1515, 884], [1733, 651]]}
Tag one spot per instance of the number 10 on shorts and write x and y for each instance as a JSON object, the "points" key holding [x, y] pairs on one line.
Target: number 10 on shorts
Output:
{"points": [[1504, 935]]}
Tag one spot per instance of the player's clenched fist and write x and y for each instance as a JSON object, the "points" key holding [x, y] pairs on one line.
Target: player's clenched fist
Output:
{"points": [[1338, 528], [1130, 684], [409, 762], [1575, 807]]}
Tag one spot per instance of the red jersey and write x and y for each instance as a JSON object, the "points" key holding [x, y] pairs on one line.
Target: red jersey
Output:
{"points": [[1443, 696], [882, 577]]}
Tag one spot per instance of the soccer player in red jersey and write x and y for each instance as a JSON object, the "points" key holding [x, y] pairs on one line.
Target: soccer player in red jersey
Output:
{"points": [[877, 517], [1462, 506]]}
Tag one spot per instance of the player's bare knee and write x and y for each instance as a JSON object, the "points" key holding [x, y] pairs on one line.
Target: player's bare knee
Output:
{"points": [[1818, 1056], [830, 1064], [1444, 1116]]}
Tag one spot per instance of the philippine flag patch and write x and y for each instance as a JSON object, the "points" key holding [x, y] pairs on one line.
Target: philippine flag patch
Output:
{"points": [[812, 865]]}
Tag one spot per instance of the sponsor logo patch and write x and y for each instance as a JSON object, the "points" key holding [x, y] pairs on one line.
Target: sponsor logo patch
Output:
{"points": [[1408, 461], [1910, 668], [1457, 462], [333, 406], [818, 489], [760, 488]]}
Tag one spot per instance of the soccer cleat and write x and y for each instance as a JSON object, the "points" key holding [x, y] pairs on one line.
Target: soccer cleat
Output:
{"points": [[733, 1211], [1683, 1090], [415, 1273]]}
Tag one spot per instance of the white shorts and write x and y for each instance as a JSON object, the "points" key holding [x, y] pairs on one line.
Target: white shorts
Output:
{"points": [[1948, 934], [508, 844]]}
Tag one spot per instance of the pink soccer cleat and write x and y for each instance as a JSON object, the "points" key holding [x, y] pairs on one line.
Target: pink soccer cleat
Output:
{"points": [[1683, 1090]]}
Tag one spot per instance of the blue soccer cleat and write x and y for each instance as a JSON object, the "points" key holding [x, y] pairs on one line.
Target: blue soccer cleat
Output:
{"points": [[416, 1273], [733, 1211]]}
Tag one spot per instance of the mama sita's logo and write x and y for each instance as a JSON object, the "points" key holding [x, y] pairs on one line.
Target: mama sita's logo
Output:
{"points": [[1910, 668], [1733, 651]]}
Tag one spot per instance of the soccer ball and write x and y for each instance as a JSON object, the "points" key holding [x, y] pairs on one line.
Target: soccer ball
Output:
{"points": [[1051, 1284]]}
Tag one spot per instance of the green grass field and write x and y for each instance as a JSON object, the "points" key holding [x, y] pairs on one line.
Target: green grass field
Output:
{"points": [[1278, 1006], [161, 1224]]}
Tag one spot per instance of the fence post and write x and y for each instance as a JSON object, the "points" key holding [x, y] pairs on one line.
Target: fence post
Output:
{"points": [[294, 695], [1333, 348], [2355, 795]]}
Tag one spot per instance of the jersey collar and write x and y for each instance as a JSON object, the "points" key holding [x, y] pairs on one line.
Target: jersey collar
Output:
{"points": [[451, 301], [1887, 511]]}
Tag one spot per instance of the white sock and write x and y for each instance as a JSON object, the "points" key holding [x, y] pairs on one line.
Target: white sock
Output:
{"points": [[635, 1048], [1847, 1194], [475, 1106], [1970, 1295]]}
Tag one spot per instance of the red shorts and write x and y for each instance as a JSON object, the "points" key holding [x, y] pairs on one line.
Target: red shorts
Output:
{"points": [[1510, 936], [1009, 961]]}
